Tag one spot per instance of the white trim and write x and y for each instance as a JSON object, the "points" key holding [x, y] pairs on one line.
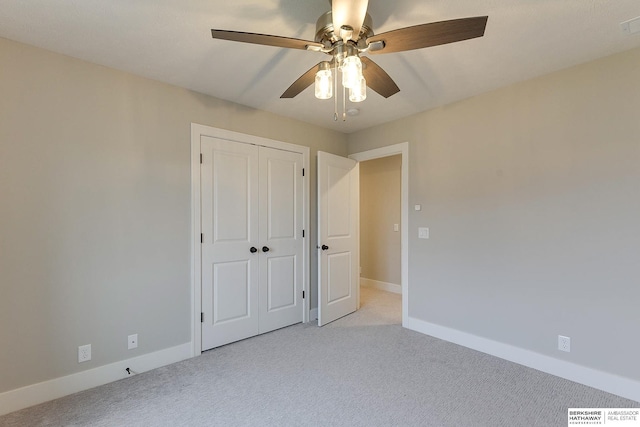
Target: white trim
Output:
{"points": [[197, 131], [24, 397], [313, 314], [306, 217], [196, 255], [604, 381], [402, 149], [383, 286]]}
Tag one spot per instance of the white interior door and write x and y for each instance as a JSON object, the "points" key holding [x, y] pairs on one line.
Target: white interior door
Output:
{"points": [[338, 192], [230, 221], [281, 243]]}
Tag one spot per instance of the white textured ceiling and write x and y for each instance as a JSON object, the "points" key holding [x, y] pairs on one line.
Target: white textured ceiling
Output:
{"points": [[170, 41]]}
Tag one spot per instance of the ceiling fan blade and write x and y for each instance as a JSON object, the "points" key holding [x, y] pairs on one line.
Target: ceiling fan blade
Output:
{"points": [[303, 82], [432, 34], [265, 39], [378, 79], [350, 13]]}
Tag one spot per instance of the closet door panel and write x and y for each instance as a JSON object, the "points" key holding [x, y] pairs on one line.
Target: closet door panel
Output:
{"points": [[230, 221], [281, 232]]}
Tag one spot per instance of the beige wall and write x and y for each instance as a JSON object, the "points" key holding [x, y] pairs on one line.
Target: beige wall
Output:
{"points": [[532, 197], [530, 193], [380, 187], [95, 209]]}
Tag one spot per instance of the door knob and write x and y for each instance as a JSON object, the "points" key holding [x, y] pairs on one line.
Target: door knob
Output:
{"points": [[325, 247], [265, 249], [253, 249]]}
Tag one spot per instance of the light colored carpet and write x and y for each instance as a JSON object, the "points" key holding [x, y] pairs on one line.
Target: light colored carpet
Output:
{"points": [[362, 370]]}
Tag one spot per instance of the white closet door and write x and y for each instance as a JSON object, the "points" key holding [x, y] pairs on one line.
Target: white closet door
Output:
{"points": [[252, 246], [230, 220], [281, 278], [338, 259]]}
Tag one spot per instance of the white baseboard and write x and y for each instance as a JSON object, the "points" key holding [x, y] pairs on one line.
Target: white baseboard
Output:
{"points": [[383, 286], [313, 314], [610, 383], [14, 400]]}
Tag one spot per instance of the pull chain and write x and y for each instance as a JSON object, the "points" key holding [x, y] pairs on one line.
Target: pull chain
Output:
{"points": [[335, 90], [344, 104]]}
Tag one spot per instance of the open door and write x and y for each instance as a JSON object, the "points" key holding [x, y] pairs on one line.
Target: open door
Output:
{"points": [[338, 258]]}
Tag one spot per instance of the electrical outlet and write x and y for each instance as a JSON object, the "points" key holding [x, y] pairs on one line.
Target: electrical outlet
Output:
{"points": [[132, 341], [564, 343], [84, 353]]}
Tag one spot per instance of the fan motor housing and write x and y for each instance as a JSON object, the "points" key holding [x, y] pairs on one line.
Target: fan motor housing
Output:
{"points": [[325, 33]]}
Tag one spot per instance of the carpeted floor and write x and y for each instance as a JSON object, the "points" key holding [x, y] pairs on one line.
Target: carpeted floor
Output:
{"points": [[362, 370]]}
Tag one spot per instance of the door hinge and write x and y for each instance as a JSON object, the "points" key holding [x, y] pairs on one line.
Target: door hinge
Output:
{"points": [[200, 158], [302, 171], [201, 317], [201, 238], [302, 294], [303, 233]]}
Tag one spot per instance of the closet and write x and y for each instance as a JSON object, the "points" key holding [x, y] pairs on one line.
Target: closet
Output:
{"points": [[252, 239]]}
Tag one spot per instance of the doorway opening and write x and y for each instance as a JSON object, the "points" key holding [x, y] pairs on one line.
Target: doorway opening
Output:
{"points": [[391, 157], [380, 240]]}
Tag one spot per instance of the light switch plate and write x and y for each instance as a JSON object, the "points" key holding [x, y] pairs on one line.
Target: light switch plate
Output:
{"points": [[396, 227], [423, 233], [417, 207]]}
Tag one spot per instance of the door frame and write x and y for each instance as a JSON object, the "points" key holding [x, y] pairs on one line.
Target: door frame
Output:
{"points": [[377, 153], [197, 131]]}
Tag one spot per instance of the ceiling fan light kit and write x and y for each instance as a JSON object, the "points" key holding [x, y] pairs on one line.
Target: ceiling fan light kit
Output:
{"points": [[352, 78], [354, 36]]}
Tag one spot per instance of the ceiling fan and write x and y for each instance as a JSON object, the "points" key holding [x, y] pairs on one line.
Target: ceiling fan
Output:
{"points": [[344, 33]]}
